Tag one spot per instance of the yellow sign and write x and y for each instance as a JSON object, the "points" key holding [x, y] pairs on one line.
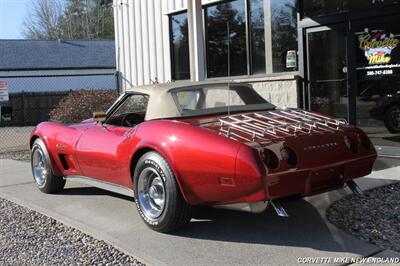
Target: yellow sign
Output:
{"points": [[378, 47]]}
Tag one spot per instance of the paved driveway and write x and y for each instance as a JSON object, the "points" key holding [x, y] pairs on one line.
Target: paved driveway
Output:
{"points": [[214, 237]]}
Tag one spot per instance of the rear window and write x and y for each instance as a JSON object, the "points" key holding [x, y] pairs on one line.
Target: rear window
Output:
{"points": [[218, 99]]}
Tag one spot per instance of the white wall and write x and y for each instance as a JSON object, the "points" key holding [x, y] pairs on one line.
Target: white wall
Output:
{"points": [[142, 40]]}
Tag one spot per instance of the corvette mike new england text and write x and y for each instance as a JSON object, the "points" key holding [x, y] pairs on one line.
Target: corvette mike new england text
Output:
{"points": [[346, 260]]}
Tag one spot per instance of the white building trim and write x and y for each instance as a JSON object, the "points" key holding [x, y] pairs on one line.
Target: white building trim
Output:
{"points": [[196, 40], [142, 40]]}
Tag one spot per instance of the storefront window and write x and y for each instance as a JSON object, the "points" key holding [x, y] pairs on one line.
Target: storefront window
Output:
{"points": [[232, 50], [284, 35], [327, 71], [378, 81], [226, 39], [179, 46], [257, 23], [313, 8]]}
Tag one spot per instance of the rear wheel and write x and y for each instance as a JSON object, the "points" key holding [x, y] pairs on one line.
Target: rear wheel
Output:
{"points": [[157, 195], [42, 173]]}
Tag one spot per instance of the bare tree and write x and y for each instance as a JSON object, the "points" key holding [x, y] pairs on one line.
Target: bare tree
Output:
{"points": [[43, 20], [70, 19]]}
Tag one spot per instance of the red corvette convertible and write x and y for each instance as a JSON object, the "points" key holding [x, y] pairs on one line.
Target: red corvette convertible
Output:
{"points": [[179, 145]]}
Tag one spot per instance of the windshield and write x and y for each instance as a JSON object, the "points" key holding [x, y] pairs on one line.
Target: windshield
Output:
{"points": [[219, 98]]}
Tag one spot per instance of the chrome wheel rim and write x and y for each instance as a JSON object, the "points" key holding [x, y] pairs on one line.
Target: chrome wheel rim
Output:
{"points": [[151, 194], [39, 166]]}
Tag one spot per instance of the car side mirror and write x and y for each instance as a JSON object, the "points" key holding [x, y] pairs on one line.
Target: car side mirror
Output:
{"points": [[99, 116]]}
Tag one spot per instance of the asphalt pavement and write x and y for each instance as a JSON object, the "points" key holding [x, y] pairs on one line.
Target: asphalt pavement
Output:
{"points": [[214, 237]]}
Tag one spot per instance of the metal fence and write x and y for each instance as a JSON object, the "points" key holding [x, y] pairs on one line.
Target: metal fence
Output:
{"points": [[33, 97], [31, 108]]}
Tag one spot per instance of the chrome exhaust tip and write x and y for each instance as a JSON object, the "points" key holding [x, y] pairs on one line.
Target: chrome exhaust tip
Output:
{"points": [[280, 211], [355, 188]]}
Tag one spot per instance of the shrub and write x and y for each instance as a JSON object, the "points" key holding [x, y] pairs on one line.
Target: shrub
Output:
{"points": [[80, 105]]}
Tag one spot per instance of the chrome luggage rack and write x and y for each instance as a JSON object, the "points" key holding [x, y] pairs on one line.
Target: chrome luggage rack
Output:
{"points": [[277, 124]]}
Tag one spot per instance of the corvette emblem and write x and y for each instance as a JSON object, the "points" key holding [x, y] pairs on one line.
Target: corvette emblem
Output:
{"points": [[60, 146], [321, 146]]}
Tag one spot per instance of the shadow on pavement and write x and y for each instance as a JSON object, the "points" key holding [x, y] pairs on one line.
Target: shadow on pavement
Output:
{"points": [[92, 191], [304, 228]]}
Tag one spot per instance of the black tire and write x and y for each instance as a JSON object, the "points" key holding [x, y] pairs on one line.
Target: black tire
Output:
{"points": [[392, 119], [48, 182], [175, 212]]}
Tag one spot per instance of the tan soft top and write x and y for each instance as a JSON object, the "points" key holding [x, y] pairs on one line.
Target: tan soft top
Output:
{"points": [[161, 103]]}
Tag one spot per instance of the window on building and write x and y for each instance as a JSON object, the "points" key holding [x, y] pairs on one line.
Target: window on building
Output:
{"points": [[236, 37], [180, 65], [226, 39], [257, 22], [313, 8], [377, 54], [284, 35]]}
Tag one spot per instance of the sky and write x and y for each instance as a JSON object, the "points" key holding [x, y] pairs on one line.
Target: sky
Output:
{"points": [[12, 15]]}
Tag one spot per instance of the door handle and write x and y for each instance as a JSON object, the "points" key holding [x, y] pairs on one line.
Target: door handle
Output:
{"points": [[129, 133], [104, 127]]}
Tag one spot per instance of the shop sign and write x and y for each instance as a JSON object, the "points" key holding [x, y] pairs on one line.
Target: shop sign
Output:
{"points": [[5, 114], [4, 91], [378, 46], [291, 59]]}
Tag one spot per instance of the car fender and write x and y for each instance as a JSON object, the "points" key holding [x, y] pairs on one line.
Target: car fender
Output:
{"points": [[59, 139], [165, 153], [44, 132], [203, 162]]}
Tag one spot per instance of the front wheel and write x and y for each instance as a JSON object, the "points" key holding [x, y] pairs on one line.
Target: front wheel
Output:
{"points": [[157, 195], [42, 173]]}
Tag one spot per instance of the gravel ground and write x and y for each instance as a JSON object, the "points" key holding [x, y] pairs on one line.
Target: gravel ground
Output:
{"points": [[374, 217], [29, 238], [17, 155]]}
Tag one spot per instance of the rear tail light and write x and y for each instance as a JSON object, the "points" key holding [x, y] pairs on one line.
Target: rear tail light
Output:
{"points": [[289, 156], [365, 142], [351, 144], [347, 141], [270, 159]]}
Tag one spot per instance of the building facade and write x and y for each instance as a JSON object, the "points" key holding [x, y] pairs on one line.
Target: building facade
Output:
{"points": [[350, 63], [336, 57], [166, 41]]}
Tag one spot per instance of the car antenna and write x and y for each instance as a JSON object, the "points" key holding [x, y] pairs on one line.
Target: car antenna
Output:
{"points": [[229, 68]]}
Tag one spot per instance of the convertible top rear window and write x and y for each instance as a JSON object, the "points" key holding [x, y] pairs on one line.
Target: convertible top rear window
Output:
{"points": [[218, 99]]}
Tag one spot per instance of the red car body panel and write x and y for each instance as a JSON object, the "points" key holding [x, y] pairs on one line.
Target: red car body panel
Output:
{"points": [[210, 168]]}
